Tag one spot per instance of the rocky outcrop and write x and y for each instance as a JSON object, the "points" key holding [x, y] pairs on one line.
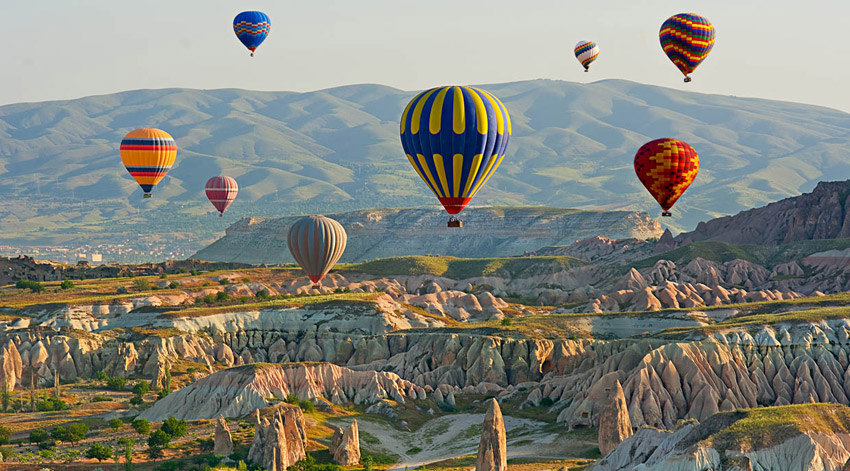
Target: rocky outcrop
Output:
{"points": [[492, 450], [602, 249], [821, 214], [223, 440], [280, 440], [345, 445], [614, 423], [791, 443], [238, 391]]}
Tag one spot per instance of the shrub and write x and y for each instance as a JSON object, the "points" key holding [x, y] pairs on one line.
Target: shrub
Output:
{"points": [[173, 285], [121, 290], [262, 294], [141, 426], [307, 406], [309, 464], [101, 376], [222, 296], [39, 435], [136, 400], [115, 383], [99, 452], [163, 276], [141, 284], [195, 272], [224, 282], [156, 442], [77, 431], [60, 434], [115, 424], [291, 399], [206, 445], [141, 388], [33, 286], [209, 299], [66, 284], [173, 427], [51, 404], [100, 398], [70, 455], [5, 435], [507, 321]]}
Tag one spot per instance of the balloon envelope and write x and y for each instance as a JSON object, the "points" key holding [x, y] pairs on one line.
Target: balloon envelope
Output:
{"points": [[316, 243], [252, 28], [666, 167], [455, 138], [148, 154], [221, 191], [586, 53], [687, 39]]}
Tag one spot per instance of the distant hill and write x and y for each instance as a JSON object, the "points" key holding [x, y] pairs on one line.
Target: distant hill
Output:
{"points": [[822, 214], [382, 233], [61, 179]]}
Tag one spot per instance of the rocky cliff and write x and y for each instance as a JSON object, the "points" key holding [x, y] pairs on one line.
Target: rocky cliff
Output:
{"points": [[487, 232], [821, 214]]}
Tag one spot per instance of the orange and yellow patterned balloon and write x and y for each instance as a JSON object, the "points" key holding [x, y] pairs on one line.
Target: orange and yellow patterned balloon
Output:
{"points": [[666, 167], [148, 154]]}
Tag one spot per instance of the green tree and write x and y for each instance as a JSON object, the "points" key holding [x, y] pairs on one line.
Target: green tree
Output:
{"points": [[368, 463], [39, 435], [141, 388], [115, 424], [77, 431], [262, 294], [66, 284], [70, 455], [141, 284], [5, 435], [127, 445], [101, 376], [222, 296], [136, 400], [60, 434], [173, 427], [142, 426], [33, 286], [115, 383], [99, 452], [156, 442]]}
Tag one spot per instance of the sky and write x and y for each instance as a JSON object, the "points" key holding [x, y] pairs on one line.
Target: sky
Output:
{"points": [[64, 49]]}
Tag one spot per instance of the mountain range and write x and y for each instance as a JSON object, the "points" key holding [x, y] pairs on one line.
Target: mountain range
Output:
{"points": [[61, 180]]}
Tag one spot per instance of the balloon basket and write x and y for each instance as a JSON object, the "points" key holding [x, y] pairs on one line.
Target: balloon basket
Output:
{"points": [[666, 214], [687, 79], [454, 222], [587, 70], [316, 286], [147, 195], [221, 215]]}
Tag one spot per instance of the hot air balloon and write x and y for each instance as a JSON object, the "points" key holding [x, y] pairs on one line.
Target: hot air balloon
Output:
{"points": [[455, 138], [586, 53], [687, 39], [252, 28], [221, 191], [148, 154], [316, 243], [666, 167]]}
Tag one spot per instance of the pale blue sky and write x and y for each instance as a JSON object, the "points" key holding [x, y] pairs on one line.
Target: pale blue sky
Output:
{"points": [[59, 49]]}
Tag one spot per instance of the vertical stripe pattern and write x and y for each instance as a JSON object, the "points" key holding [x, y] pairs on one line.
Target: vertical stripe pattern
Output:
{"points": [[252, 28], [586, 52], [148, 154], [316, 243], [666, 167], [455, 139], [221, 191], [687, 39]]}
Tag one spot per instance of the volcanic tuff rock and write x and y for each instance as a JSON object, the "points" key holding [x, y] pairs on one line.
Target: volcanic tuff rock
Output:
{"points": [[223, 440], [614, 423], [821, 214], [345, 445], [487, 232], [236, 392], [794, 443], [492, 450], [279, 441]]}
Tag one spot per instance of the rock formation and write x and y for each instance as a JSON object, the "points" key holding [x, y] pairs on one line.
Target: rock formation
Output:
{"points": [[614, 423], [492, 450], [345, 445], [223, 440], [236, 392], [491, 232], [279, 440]]}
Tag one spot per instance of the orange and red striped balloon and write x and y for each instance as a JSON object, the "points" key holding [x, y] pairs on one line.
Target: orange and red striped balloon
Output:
{"points": [[221, 191], [148, 154], [666, 167]]}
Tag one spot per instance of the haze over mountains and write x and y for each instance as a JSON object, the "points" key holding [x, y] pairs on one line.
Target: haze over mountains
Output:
{"points": [[338, 149]]}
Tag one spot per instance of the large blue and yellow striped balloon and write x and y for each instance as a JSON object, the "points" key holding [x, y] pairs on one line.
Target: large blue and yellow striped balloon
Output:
{"points": [[455, 138]]}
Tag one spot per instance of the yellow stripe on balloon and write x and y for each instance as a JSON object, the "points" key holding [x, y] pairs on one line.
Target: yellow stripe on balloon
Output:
{"points": [[416, 167], [437, 111], [480, 111], [473, 169], [505, 112], [406, 110], [417, 111], [457, 171], [484, 175], [495, 167], [441, 172], [424, 164], [459, 118], [500, 119]]}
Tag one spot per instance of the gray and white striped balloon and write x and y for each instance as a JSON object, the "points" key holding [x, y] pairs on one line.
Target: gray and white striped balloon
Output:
{"points": [[316, 243]]}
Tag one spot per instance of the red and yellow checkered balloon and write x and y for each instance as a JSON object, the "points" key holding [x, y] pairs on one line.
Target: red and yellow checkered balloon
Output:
{"points": [[666, 167]]}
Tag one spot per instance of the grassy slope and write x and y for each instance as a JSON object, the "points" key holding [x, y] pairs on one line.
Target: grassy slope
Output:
{"points": [[463, 268]]}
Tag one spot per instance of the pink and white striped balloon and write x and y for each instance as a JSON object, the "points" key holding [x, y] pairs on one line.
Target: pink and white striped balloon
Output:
{"points": [[221, 191]]}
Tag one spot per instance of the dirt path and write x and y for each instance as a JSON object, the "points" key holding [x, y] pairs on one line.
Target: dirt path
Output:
{"points": [[457, 435]]}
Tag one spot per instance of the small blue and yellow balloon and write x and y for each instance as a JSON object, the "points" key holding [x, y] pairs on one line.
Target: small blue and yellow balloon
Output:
{"points": [[252, 28], [455, 138]]}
